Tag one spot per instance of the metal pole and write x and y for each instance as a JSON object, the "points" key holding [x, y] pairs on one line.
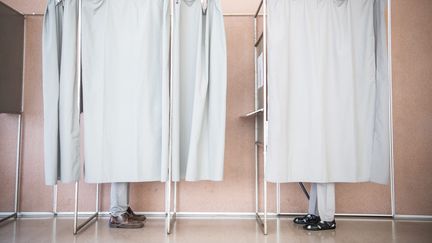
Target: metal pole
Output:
{"points": [[256, 123], [265, 111], [390, 76], [18, 165], [19, 144], [169, 181], [278, 198], [175, 198], [167, 205], [75, 223], [55, 199], [97, 198], [78, 63], [303, 188]]}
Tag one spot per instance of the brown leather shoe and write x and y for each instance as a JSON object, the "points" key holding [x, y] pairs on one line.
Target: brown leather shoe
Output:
{"points": [[133, 216], [123, 221]]}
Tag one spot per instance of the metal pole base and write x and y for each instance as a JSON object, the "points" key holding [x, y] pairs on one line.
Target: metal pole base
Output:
{"points": [[171, 219], [171, 216], [77, 228], [86, 223], [14, 216], [261, 223]]}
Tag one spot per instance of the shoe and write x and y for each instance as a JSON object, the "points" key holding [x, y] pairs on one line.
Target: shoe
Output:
{"points": [[124, 222], [322, 225], [131, 214], [307, 219]]}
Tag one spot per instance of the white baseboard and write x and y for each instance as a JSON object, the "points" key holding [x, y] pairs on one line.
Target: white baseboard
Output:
{"points": [[211, 215], [413, 217]]}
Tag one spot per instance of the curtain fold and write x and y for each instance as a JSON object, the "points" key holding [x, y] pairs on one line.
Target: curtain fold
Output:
{"points": [[328, 91], [199, 91], [125, 90], [60, 92]]}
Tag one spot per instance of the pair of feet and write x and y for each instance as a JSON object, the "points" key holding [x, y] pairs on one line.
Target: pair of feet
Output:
{"points": [[314, 223], [127, 220]]}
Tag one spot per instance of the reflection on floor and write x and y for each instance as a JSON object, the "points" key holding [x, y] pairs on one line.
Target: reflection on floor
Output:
{"points": [[217, 230]]}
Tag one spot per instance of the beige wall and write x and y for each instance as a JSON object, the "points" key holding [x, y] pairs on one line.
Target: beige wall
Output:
{"points": [[412, 113], [412, 94]]}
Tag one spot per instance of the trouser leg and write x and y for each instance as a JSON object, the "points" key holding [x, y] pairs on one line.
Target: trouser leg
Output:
{"points": [[326, 201], [128, 190], [313, 206], [119, 198]]}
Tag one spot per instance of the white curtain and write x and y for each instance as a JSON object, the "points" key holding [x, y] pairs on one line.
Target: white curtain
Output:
{"points": [[125, 90], [199, 91], [328, 91], [60, 92]]}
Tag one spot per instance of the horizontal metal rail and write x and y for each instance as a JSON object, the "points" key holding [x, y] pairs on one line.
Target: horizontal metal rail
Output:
{"points": [[253, 113]]}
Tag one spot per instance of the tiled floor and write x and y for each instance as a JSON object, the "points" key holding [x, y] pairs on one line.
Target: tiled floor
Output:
{"points": [[217, 230]]}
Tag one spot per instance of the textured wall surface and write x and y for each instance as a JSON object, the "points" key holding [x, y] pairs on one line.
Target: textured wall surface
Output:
{"points": [[412, 69], [412, 99]]}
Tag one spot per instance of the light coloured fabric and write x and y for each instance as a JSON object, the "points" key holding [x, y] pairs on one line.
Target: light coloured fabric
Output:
{"points": [[313, 203], [60, 92], [119, 198], [199, 91], [328, 91], [125, 68], [322, 201]]}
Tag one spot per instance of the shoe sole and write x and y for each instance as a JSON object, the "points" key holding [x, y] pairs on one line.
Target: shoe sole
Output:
{"points": [[137, 220], [301, 223], [318, 229], [126, 226]]}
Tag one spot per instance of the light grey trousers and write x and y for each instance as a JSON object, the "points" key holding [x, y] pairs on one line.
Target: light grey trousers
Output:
{"points": [[322, 201], [119, 198]]}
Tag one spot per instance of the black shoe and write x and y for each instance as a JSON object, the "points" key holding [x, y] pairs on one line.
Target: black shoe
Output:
{"points": [[307, 219], [124, 222], [133, 216], [322, 225]]}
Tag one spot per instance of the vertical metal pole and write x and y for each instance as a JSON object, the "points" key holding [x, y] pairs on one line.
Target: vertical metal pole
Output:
{"points": [[175, 198], [256, 122], [20, 134], [278, 199], [78, 63], [390, 76], [167, 205], [169, 180], [75, 223], [265, 111], [55, 199], [18, 166], [97, 198]]}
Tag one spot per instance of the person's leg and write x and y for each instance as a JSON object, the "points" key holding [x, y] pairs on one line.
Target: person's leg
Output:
{"points": [[326, 207], [120, 217], [313, 203], [313, 216], [326, 201], [132, 215], [119, 198], [128, 193]]}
